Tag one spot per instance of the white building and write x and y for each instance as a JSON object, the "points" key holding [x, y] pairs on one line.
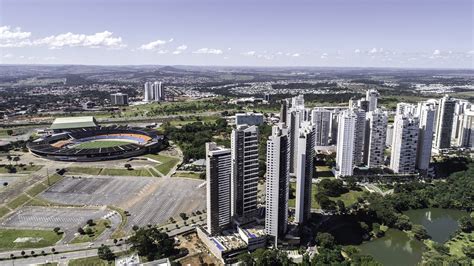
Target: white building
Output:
{"points": [[426, 116], [158, 91], [244, 145], [372, 97], [277, 182], [119, 99], [466, 134], [460, 108], [295, 118], [148, 93], [218, 177], [345, 143], [404, 144], [376, 137], [444, 123], [321, 119], [304, 172]]}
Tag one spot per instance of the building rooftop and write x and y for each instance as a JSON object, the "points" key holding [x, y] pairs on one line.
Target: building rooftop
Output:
{"points": [[229, 240], [254, 231], [74, 122]]}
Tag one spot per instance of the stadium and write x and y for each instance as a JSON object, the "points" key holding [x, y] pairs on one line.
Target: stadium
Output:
{"points": [[89, 142]]}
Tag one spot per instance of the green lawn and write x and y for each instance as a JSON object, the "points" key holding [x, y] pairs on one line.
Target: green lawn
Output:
{"points": [[101, 144], [84, 170], [194, 175], [125, 172], [167, 162], [36, 189], [20, 170], [3, 211], [7, 236], [324, 172], [18, 201], [91, 261], [98, 229], [456, 244], [348, 198]]}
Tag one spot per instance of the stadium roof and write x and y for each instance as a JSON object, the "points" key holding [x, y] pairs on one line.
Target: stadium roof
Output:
{"points": [[73, 122]]}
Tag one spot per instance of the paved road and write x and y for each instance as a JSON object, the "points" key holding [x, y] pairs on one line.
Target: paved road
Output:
{"points": [[62, 259]]}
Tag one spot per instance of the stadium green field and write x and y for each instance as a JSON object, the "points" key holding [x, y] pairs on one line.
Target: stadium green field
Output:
{"points": [[101, 144]]}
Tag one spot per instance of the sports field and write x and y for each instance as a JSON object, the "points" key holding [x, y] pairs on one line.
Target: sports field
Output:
{"points": [[101, 144]]}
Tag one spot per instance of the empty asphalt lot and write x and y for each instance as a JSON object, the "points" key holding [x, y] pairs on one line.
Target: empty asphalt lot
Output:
{"points": [[149, 200]]}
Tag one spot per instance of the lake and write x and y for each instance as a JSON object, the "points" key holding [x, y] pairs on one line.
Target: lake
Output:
{"points": [[396, 248], [439, 223]]}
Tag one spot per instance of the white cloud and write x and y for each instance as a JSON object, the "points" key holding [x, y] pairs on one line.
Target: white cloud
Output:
{"points": [[436, 52], [279, 53], [324, 56], [373, 51], [182, 47], [470, 52], [162, 51], [155, 45], [8, 56], [99, 39], [7, 33], [177, 52], [208, 51], [249, 53], [357, 51], [295, 55]]}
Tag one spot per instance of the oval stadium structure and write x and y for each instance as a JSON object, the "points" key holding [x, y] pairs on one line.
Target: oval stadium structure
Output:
{"points": [[96, 144]]}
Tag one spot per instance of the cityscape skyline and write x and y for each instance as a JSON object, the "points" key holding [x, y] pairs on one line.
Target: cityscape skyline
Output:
{"points": [[364, 34]]}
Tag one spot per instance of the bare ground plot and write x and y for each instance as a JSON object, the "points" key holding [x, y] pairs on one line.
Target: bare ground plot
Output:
{"points": [[96, 190], [51, 217]]}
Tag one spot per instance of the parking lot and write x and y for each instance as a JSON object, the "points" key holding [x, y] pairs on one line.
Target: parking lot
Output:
{"points": [[96, 190], [149, 200], [49, 217]]}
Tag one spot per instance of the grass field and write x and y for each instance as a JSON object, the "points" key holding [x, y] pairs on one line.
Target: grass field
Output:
{"points": [[18, 201], [20, 170], [456, 244], [7, 236], [166, 162], [101, 144], [324, 172], [124, 172], [98, 229], [93, 261], [348, 198], [84, 170], [194, 175]]}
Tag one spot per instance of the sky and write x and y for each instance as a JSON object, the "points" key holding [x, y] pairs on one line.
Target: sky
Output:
{"points": [[333, 33]]}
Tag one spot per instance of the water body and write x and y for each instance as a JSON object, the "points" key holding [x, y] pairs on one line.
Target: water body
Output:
{"points": [[395, 248], [439, 223]]}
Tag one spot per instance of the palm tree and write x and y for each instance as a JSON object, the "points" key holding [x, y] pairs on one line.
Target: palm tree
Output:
{"points": [[16, 159]]}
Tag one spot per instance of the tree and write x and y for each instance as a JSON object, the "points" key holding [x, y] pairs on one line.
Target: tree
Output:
{"points": [[246, 259], [420, 232], [183, 216], [105, 253], [90, 222], [16, 159], [468, 251], [341, 206], [9, 132], [466, 224], [5, 184], [152, 243], [81, 231], [56, 230], [440, 248], [128, 166], [325, 240]]}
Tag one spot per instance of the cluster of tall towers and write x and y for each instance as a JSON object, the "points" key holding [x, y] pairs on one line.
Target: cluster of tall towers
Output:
{"points": [[361, 134], [154, 92]]}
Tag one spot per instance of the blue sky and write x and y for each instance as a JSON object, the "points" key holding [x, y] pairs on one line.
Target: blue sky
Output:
{"points": [[365, 33]]}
